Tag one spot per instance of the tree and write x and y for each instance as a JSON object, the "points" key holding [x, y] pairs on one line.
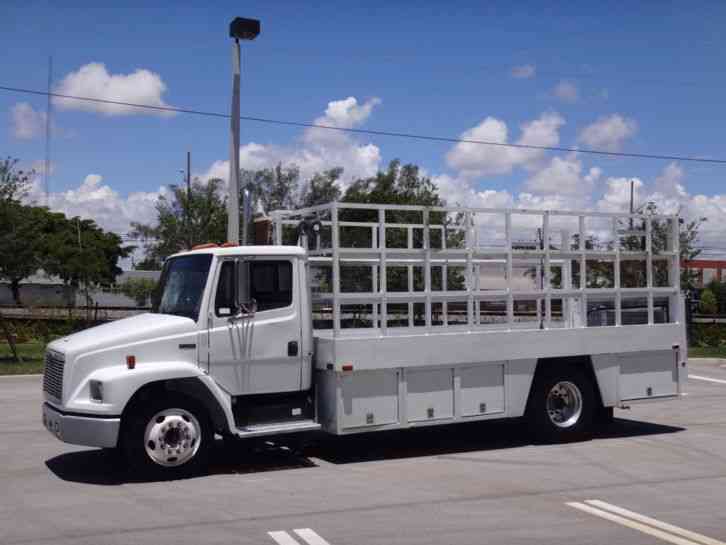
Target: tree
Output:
{"points": [[398, 185], [76, 250], [688, 234], [708, 304], [322, 188], [183, 220], [15, 258], [271, 189], [24, 232], [139, 289], [13, 181], [81, 253]]}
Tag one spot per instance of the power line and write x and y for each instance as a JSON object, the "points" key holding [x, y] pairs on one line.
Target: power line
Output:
{"points": [[374, 132]]}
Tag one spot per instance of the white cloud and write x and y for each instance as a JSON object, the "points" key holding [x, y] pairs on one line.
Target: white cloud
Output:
{"points": [[100, 202], [94, 81], [670, 181], [668, 191], [474, 160], [347, 112], [617, 194], [566, 91], [318, 149], [564, 175], [524, 71], [608, 133], [27, 122]]}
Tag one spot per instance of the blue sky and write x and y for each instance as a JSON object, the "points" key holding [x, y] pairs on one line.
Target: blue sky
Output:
{"points": [[650, 72]]}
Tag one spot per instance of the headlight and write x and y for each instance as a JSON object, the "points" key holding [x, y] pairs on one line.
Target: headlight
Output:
{"points": [[96, 387]]}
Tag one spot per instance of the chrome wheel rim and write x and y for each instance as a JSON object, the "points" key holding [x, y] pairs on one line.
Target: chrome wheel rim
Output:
{"points": [[172, 437], [564, 404]]}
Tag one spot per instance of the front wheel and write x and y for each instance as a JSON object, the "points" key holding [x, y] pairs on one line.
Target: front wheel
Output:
{"points": [[562, 405], [170, 437]]}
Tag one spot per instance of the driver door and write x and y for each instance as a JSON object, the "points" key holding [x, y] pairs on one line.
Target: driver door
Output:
{"points": [[256, 352]]}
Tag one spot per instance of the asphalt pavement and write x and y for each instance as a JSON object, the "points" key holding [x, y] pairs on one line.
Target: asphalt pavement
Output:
{"points": [[658, 475]]}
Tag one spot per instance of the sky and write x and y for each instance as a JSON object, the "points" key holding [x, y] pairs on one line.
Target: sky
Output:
{"points": [[638, 77]]}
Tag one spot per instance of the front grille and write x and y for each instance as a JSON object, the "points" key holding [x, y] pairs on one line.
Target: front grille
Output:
{"points": [[53, 376]]}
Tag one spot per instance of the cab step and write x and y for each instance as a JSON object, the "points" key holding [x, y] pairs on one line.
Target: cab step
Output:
{"points": [[277, 428]]}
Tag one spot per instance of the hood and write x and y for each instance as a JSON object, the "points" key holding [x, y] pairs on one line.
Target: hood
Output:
{"points": [[124, 332]]}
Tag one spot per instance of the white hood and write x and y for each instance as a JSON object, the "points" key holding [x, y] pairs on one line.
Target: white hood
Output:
{"points": [[124, 332]]}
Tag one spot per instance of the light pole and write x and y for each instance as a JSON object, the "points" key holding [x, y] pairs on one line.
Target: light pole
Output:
{"points": [[239, 29]]}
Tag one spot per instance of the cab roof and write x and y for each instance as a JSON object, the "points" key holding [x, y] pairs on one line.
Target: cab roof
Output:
{"points": [[296, 251]]}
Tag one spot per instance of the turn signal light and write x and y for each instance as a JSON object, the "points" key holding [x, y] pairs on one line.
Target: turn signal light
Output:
{"points": [[130, 362]]}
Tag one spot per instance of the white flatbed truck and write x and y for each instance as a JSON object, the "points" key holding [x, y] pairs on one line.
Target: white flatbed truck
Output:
{"points": [[360, 318]]}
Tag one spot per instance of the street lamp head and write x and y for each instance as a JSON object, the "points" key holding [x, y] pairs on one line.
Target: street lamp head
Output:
{"points": [[244, 29]]}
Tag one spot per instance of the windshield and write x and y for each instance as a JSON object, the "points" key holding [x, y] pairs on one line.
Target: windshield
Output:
{"points": [[181, 285]]}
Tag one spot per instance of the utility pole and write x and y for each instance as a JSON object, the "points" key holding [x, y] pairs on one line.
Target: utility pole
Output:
{"points": [[48, 112], [239, 29], [189, 198], [632, 203], [233, 197]]}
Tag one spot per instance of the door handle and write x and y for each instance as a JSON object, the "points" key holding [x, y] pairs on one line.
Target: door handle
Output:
{"points": [[292, 348]]}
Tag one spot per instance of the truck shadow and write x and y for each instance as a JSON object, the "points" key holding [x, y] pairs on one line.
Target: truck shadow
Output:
{"points": [[104, 467], [457, 439]]}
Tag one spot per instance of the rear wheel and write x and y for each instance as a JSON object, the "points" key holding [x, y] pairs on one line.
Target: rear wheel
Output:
{"points": [[562, 405], [169, 437]]}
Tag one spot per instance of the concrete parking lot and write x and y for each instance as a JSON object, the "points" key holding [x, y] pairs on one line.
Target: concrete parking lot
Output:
{"points": [[469, 484]]}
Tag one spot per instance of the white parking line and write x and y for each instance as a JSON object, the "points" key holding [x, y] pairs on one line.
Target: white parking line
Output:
{"points": [[657, 523], [647, 525], [310, 536], [283, 538], [307, 534], [708, 379]]}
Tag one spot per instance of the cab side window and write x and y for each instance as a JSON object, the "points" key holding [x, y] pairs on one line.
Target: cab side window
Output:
{"points": [[271, 284], [224, 302]]}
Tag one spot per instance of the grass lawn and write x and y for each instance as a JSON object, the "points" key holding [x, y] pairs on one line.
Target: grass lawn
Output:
{"points": [[32, 354], [707, 352]]}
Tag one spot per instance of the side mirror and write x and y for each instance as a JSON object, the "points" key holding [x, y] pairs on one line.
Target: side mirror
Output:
{"points": [[249, 308], [246, 305]]}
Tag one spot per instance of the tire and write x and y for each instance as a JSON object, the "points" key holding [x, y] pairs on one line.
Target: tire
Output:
{"points": [[168, 438], [562, 405]]}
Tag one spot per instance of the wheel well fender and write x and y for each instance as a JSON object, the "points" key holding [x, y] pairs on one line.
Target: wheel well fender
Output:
{"points": [[190, 387]]}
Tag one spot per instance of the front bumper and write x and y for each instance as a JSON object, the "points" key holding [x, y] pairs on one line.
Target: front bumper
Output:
{"points": [[78, 429]]}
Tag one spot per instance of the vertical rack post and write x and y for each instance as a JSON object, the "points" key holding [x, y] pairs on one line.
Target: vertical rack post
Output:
{"points": [[675, 310], [583, 272], [383, 275], [616, 275], [278, 229], [374, 277], [508, 237], [336, 269], [547, 272], [427, 265], [469, 239], [409, 271], [649, 266], [444, 275]]}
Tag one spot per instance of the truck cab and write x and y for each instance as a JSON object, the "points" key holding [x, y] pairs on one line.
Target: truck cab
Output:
{"points": [[227, 349]]}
